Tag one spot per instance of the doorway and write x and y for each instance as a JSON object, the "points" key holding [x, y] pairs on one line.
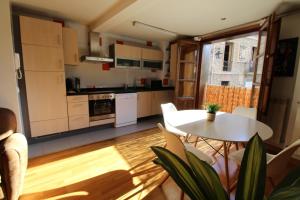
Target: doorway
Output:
{"points": [[229, 75]]}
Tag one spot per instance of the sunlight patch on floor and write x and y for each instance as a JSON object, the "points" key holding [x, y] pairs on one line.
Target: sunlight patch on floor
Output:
{"points": [[79, 194], [68, 171]]}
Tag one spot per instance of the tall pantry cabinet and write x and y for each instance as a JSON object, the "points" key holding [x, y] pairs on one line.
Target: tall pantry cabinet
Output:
{"points": [[43, 60]]}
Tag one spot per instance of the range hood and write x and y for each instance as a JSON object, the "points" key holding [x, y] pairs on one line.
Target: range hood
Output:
{"points": [[95, 52]]}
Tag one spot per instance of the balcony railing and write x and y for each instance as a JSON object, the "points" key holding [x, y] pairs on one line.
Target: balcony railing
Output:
{"points": [[229, 97]]}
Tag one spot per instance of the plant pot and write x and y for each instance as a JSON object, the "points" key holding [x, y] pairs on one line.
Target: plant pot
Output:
{"points": [[211, 116]]}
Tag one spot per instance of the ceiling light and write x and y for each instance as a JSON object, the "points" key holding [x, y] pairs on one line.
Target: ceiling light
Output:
{"points": [[155, 28]]}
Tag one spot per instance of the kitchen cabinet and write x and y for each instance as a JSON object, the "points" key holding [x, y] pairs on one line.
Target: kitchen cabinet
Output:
{"points": [[46, 95], [40, 32], [78, 112], [128, 52], [158, 98], [46, 127], [78, 108], [78, 122], [127, 56], [77, 98], [152, 58], [152, 54], [70, 46], [149, 102], [144, 104], [46, 98], [42, 58]]}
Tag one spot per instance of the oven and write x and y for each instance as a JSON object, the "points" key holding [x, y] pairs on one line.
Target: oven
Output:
{"points": [[101, 107]]}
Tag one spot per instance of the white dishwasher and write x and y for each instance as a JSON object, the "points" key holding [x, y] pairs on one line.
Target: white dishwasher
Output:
{"points": [[126, 109]]}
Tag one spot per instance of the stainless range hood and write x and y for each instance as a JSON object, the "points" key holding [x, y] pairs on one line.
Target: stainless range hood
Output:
{"points": [[95, 52]]}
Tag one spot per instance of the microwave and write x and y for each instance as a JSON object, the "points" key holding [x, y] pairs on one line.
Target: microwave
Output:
{"points": [[153, 84]]}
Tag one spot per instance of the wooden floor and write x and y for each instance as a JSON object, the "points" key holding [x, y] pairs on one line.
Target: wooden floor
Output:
{"points": [[104, 170]]}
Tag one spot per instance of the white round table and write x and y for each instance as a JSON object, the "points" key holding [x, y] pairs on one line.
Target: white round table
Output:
{"points": [[226, 127]]}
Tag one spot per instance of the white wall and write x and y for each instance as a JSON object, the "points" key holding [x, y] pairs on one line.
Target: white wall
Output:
{"points": [[293, 30], [289, 87], [91, 74], [8, 86], [284, 86]]}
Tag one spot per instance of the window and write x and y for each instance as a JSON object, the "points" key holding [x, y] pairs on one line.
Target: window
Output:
{"points": [[251, 62], [224, 83], [227, 56], [254, 51]]}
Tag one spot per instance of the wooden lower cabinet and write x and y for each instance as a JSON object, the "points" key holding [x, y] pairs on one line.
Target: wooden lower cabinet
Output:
{"points": [[77, 98], [78, 121], [46, 95], [78, 108], [78, 112], [149, 102], [47, 103], [144, 104], [46, 127], [160, 97]]}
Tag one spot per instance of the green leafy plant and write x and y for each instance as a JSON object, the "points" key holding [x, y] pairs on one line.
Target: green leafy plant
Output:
{"points": [[200, 181], [213, 108]]}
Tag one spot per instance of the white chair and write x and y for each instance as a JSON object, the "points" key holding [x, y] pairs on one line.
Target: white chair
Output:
{"points": [[167, 186], [245, 112], [168, 108], [175, 145], [276, 164]]}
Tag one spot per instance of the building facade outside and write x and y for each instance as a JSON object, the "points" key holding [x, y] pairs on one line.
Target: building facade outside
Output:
{"points": [[231, 62]]}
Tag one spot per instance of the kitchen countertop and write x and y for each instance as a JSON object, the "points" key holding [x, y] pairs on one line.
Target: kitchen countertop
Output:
{"points": [[116, 90]]}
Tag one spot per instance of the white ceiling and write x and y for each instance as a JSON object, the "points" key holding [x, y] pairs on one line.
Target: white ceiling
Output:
{"points": [[195, 17], [186, 17], [83, 11]]}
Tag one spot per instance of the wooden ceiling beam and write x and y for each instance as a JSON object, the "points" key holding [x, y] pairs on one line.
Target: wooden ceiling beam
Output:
{"points": [[231, 32], [103, 22]]}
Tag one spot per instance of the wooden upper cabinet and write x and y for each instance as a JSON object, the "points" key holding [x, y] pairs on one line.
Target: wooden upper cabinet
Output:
{"points": [[40, 32], [42, 58], [71, 56], [128, 52], [152, 54]]}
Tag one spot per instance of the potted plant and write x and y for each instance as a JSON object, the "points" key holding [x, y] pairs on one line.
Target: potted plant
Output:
{"points": [[212, 109], [200, 181]]}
